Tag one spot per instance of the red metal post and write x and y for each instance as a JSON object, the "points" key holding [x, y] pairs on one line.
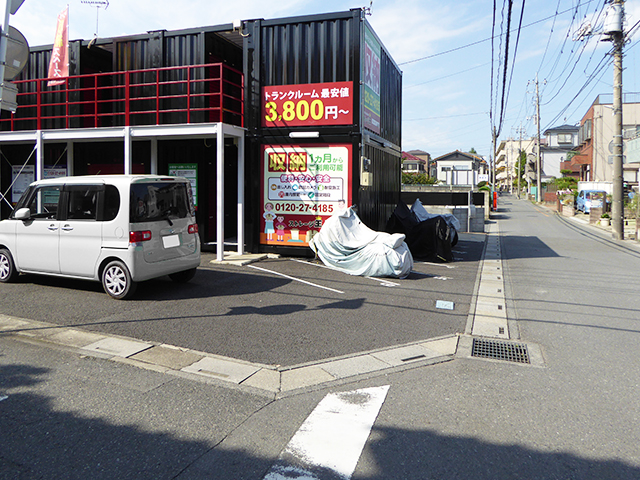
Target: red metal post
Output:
{"points": [[188, 94], [127, 98], [66, 107], [39, 104], [96, 119], [157, 97]]}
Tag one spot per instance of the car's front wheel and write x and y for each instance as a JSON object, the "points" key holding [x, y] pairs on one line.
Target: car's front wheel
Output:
{"points": [[8, 272], [116, 281]]}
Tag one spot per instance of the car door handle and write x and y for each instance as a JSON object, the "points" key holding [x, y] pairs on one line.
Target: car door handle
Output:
{"points": [[53, 227], [67, 228]]}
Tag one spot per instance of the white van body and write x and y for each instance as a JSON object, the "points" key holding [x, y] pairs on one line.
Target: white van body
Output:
{"points": [[117, 229]]}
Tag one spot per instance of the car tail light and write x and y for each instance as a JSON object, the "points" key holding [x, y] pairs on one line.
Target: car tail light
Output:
{"points": [[193, 228], [139, 236]]}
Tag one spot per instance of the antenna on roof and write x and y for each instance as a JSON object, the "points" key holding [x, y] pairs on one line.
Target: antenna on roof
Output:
{"points": [[367, 10], [98, 4]]}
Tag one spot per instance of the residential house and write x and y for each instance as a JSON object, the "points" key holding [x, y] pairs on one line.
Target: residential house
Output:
{"points": [[460, 168], [412, 164], [593, 160], [507, 155], [559, 142], [429, 165]]}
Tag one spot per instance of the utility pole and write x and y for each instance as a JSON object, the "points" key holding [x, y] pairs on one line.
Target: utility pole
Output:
{"points": [[493, 135], [538, 166], [519, 159], [616, 13]]}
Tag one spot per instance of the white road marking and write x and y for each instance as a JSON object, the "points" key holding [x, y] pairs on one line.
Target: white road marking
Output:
{"points": [[384, 283], [438, 264], [3, 397], [428, 275], [312, 264], [331, 439], [295, 279]]}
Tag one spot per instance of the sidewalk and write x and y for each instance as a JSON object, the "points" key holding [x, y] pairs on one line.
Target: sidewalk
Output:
{"points": [[629, 228]]}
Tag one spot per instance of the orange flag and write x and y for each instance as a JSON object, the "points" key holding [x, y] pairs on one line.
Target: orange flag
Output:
{"points": [[59, 63]]}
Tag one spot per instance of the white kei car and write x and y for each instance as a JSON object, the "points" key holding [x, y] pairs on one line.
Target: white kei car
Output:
{"points": [[116, 229]]}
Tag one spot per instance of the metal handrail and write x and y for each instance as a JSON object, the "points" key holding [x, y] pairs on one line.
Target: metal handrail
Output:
{"points": [[188, 94]]}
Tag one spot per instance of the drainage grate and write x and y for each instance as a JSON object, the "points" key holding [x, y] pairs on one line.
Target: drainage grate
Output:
{"points": [[497, 350]]}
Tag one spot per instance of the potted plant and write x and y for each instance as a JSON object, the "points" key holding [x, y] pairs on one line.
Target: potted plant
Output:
{"points": [[605, 219]]}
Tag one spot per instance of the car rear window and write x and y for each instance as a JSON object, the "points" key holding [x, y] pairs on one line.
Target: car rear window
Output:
{"points": [[158, 201]]}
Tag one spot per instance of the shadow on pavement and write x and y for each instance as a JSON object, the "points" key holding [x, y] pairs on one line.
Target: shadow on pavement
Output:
{"points": [[206, 284], [525, 247], [41, 441]]}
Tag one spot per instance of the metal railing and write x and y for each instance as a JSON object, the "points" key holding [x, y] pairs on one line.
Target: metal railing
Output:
{"points": [[171, 95]]}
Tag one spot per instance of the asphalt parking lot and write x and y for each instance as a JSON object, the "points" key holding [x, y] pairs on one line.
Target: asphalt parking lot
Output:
{"points": [[286, 311]]}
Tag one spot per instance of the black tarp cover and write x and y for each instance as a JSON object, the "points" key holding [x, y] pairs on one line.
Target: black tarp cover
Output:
{"points": [[427, 240]]}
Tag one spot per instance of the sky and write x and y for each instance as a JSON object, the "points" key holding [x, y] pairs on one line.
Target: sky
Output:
{"points": [[454, 87]]}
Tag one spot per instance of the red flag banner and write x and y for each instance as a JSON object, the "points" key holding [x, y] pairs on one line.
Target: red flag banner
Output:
{"points": [[59, 63]]}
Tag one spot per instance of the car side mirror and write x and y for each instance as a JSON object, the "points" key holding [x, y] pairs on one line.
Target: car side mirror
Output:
{"points": [[23, 214]]}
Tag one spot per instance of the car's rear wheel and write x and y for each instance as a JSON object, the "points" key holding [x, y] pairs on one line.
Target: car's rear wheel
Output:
{"points": [[116, 281], [184, 276], [8, 272]]}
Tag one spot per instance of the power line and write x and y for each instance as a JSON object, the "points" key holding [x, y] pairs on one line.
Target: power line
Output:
{"points": [[446, 76], [515, 51], [445, 116], [487, 39], [601, 66]]}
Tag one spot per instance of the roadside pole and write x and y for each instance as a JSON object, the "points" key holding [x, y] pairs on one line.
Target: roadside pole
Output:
{"points": [[8, 91], [617, 203], [539, 147]]}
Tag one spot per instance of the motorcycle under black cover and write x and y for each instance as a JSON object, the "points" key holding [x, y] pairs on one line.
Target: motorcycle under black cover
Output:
{"points": [[427, 240]]}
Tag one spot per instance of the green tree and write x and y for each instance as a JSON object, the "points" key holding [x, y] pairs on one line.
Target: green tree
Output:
{"points": [[473, 151], [565, 183], [523, 161], [417, 179]]}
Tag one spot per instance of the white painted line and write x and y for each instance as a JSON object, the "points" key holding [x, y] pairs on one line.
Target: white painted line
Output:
{"points": [[294, 279], [3, 398], [384, 283], [428, 275], [437, 264], [331, 439], [312, 264]]}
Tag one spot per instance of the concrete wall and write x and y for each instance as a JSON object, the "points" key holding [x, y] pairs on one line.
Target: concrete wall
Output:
{"points": [[479, 213]]}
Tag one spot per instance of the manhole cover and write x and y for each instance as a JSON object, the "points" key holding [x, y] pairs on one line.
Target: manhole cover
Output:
{"points": [[497, 350]]}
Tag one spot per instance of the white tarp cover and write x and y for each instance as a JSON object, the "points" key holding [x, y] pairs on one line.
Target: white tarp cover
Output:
{"points": [[423, 215], [344, 243]]}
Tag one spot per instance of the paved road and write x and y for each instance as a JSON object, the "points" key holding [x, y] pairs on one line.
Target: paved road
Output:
{"points": [[258, 315], [569, 289]]}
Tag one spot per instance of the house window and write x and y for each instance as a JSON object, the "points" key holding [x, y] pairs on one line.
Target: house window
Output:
{"points": [[565, 138]]}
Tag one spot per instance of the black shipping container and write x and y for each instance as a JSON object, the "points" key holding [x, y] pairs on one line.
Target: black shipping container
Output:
{"points": [[321, 50], [341, 140]]}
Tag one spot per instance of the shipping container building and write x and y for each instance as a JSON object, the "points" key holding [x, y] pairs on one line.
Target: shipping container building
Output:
{"points": [[278, 123]]}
